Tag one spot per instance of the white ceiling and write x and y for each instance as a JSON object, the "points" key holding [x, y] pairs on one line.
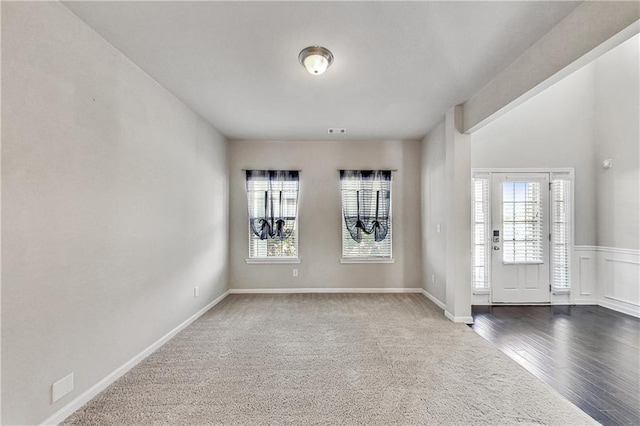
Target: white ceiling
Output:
{"points": [[398, 65]]}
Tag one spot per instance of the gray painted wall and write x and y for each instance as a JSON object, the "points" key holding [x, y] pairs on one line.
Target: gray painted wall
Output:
{"points": [[617, 136], [552, 129], [434, 213], [115, 205], [320, 213], [579, 121], [572, 42], [592, 115]]}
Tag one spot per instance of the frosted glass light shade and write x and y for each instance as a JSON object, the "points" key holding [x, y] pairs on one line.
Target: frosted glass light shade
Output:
{"points": [[316, 64], [316, 59]]}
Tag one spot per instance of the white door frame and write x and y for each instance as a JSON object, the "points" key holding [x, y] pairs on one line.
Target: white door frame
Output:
{"points": [[520, 282], [485, 297]]}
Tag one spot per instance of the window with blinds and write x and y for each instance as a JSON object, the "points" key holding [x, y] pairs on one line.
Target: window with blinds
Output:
{"points": [[279, 199], [522, 223], [480, 223], [368, 247], [273, 248], [560, 233]]}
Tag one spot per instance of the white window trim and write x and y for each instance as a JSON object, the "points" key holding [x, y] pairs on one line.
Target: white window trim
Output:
{"points": [[570, 173], [482, 175], [367, 260], [355, 259], [275, 260]]}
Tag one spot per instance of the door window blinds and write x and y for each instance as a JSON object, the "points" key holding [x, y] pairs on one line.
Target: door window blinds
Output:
{"points": [[522, 223]]}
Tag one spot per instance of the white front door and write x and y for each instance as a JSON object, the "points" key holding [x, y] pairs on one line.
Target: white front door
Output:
{"points": [[520, 237]]}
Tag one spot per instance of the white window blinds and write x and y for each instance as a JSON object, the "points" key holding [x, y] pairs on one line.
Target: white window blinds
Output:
{"points": [[560, 233], [480, 223]]}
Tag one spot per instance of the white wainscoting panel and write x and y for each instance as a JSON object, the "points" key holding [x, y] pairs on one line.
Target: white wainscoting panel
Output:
{"points": [[585, 275], [481, 299], [607, 276], [619, 279]]}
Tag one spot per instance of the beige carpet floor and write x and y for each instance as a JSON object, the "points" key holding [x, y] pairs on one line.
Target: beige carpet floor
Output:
{"points": [[328, 359]]}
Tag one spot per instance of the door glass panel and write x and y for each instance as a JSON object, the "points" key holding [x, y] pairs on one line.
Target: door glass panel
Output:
{"points": [[522, 223]]}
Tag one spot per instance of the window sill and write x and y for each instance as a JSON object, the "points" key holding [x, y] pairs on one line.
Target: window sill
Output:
{"points": [[561, 291], [272, 260], [481, 291], [366, 260]]}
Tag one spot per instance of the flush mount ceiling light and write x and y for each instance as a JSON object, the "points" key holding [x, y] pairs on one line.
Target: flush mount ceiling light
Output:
{"points": [[316, 59]]}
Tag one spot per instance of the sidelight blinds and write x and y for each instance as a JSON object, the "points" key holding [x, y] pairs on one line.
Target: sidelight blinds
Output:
{"points": [[480, 207], [560, 233]]}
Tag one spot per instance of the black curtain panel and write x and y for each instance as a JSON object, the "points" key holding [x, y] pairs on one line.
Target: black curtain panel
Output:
{"points": [[272, 198], [366, 201]]}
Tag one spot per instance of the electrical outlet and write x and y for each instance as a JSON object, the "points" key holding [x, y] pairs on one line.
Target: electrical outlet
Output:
{"points": [[61, 388], [438, 228], [433, 279], [295, 273], [196, 291]]}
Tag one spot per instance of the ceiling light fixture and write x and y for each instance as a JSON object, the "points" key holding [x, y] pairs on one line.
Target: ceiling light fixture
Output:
{"points": [[316, 59]]}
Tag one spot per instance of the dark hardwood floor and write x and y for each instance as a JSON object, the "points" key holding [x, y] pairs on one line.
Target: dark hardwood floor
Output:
{"points": [[589, 354]]}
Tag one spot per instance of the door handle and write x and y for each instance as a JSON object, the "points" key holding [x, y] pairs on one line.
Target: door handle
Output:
{"points": [[496, 247]]}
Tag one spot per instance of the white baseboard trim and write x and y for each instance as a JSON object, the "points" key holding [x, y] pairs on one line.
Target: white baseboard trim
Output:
{"points": [[625, 308], [434, 300], [585, 302], [452, 318], [322, 290], [89, 394], [443, 306]]}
